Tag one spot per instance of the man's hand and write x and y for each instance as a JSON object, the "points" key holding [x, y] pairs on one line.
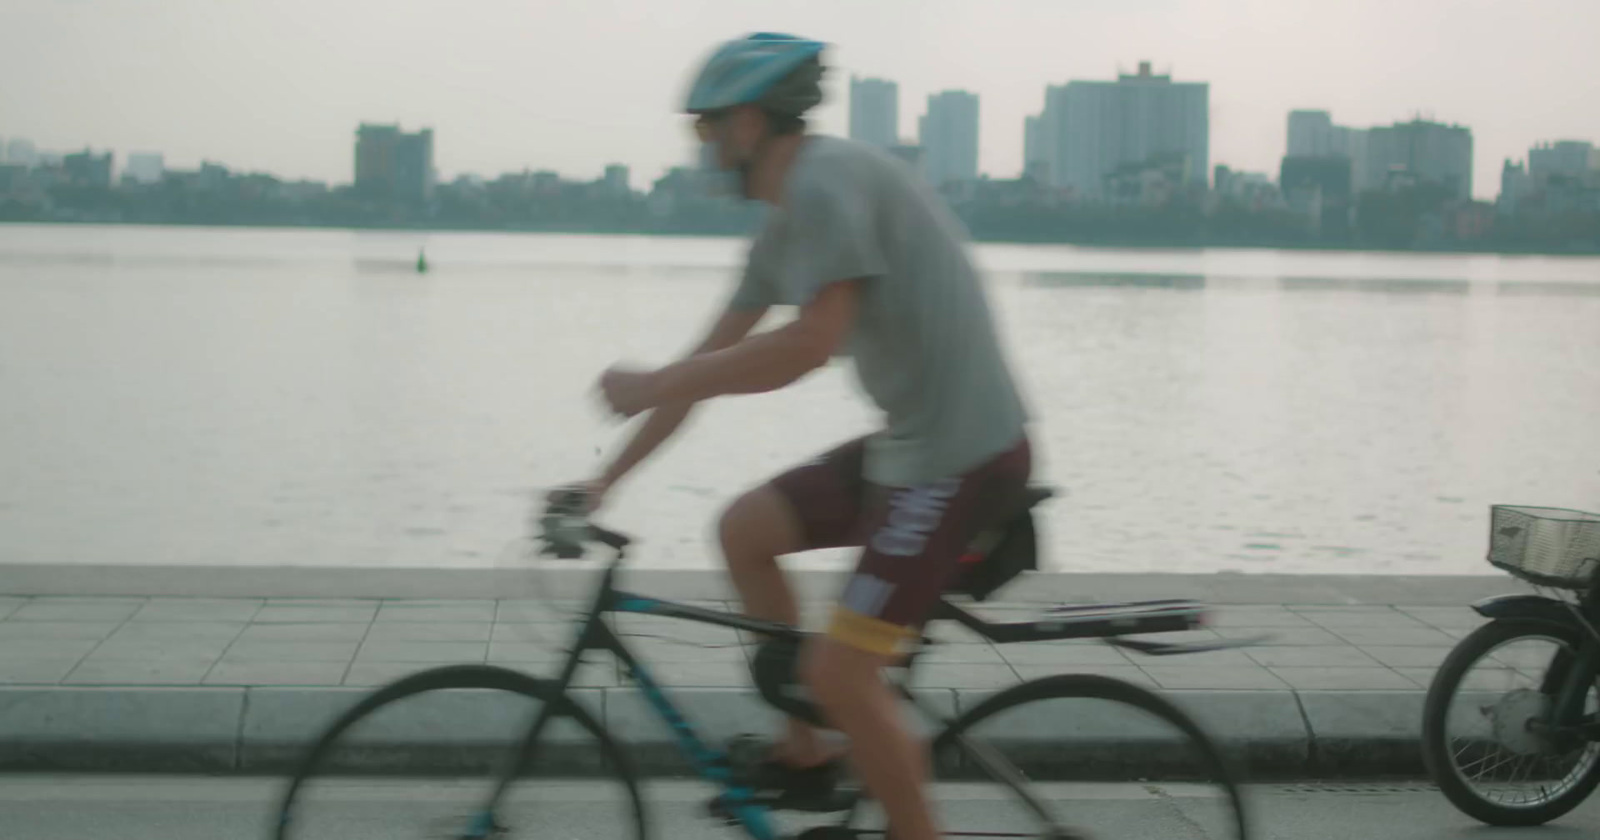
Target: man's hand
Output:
{"points": [[629, 392], [593, 490]]}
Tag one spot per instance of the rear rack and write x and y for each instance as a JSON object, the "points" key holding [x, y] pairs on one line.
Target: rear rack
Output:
{"points": [[1110, 622]]}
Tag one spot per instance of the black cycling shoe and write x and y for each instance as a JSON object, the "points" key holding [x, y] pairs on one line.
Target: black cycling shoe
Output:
{"points": [[784, 787]]}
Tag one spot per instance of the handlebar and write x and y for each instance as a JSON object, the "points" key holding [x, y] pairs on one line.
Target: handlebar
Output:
{"points": [[564, 526], [609, 538]]}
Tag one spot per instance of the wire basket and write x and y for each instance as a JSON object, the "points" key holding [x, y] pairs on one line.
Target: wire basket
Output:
{"points": [[1546, 546]]}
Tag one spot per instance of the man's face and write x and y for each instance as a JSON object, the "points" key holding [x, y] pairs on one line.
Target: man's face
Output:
{"points": [[733, 132]]}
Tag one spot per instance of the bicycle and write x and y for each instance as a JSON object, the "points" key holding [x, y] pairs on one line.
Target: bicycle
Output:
{"points": [[1530, 754], [565, 533]]}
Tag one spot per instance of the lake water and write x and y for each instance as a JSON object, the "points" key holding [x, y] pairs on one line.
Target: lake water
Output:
{"points": [[206, 396]]}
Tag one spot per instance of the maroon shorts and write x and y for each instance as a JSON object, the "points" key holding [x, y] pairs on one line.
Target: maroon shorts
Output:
{"points": [[912, 537]]}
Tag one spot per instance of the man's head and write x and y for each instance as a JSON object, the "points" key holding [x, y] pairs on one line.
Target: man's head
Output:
{"points": [[750, 91]]}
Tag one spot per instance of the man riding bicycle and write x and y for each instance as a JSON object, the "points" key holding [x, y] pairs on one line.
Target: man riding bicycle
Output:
{"points": [[877, 268]]}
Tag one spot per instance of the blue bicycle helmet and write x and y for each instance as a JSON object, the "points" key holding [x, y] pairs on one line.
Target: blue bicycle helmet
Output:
{"points": [[780, 73]]}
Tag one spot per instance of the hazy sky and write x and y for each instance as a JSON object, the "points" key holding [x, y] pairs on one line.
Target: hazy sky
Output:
{"points": [[279, 85]]}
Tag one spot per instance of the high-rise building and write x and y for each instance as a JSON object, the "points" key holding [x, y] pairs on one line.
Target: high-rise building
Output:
{"points": [[948, 134], [414, 175], [392, 165], [875, 111], [1564, 158], [144, 167], [1035, 162], [1515, 186], [377, 146], [1558, 176], [1428, 151], [1310, 134], [1090, 130], [1313, 134], [20, 150]]}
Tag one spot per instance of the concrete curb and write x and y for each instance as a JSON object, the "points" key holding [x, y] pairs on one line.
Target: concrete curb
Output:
{"points": [[812, 583], [1280, 735], [700, 584]]}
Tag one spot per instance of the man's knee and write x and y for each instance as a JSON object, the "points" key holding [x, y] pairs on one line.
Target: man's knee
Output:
{"points": [[757, 527], [840, 676]]}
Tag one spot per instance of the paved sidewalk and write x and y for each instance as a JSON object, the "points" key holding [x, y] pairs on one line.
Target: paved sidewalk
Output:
{"points": [[230, 684], [354, 642]]}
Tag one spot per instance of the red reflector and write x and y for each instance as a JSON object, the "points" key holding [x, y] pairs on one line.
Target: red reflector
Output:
{"points": [[971, 558]]}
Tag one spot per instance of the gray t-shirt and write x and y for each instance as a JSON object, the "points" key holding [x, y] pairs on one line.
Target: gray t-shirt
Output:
{"points": [[924, 341]]}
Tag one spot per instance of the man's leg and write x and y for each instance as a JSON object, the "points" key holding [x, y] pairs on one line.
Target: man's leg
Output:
{"points": [[892, 762], [757, 528], [915, 537], [814, 505]]}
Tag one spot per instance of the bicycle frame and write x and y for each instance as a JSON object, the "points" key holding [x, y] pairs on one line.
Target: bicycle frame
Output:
{"points": [[595, 634], [737, 801]]}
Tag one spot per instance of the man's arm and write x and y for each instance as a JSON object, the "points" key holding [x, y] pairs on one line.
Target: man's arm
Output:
{"points": [[770, 360], [730, 327], [832, 250]]}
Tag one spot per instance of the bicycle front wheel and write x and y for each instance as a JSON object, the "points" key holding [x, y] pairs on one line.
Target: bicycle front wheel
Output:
{"points": [[419, 758], [1084, 755]]}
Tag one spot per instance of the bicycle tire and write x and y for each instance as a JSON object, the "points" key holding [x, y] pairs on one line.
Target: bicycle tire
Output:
{"points": [[1215, 764], [1438, 753], [452, 677]]}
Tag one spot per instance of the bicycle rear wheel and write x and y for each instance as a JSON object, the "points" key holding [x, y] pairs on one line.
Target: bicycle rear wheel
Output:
{"points": [[417, 760], [1064, 750]]}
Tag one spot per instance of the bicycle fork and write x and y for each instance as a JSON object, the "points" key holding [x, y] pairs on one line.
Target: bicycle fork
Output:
{"points": [[485, 824]]}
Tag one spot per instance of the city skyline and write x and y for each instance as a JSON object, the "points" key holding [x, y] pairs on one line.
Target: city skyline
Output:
{"points": [[1097, 140], [1540, 158], [1141, 134], [284, 82]]}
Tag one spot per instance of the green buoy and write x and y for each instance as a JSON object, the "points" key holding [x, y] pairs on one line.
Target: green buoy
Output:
{"points": [[422, 262]]}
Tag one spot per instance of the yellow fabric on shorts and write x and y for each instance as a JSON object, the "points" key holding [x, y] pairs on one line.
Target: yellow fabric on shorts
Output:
{"points": [[873, 635]]}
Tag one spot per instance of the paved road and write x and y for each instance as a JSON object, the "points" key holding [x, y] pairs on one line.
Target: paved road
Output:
{"points": [[181, 808]]}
